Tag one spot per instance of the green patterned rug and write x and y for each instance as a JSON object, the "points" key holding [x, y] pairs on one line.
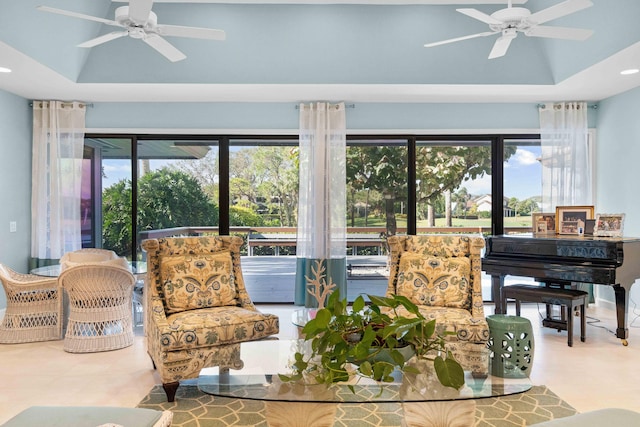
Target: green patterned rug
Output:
{"points": [[193, 408]]}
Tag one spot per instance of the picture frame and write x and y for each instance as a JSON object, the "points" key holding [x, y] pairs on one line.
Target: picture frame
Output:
{"points": [[571, 220], [608, 225], [543, 223]]}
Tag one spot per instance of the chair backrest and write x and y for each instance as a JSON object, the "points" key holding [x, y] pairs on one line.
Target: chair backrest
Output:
{"points": [[437, 269], [97, 284], [86, 255], [188, 273], [6, 278]]}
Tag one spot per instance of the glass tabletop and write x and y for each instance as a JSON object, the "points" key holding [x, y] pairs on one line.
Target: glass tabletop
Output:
{"points": [[264, 360], [137, 267]]}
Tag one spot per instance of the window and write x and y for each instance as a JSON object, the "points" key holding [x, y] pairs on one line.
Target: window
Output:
{"points": [[248, 186], [453, 185], [522, 183]]}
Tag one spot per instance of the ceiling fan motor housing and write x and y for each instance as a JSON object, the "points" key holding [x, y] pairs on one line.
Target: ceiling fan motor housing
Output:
{"points": [[123, 18], [512, 17]]}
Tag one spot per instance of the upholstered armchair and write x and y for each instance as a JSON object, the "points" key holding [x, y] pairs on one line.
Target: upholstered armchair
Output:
{"points": [[198, 308], [442, 275]]}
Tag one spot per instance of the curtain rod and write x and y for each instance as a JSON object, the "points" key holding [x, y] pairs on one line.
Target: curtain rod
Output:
{"points": [[594, 106], [88, 105], [345, 106]]}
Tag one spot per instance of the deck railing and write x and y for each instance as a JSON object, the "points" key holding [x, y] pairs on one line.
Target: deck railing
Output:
{"points": [[285, 237]]}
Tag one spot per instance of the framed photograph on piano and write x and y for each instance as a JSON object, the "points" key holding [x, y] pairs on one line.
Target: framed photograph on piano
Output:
{"points": [[608, 225], [572, 220], [543, 223]]}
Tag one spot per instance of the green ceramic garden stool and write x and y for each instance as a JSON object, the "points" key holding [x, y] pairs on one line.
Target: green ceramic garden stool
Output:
{"points": [[510, 345]]}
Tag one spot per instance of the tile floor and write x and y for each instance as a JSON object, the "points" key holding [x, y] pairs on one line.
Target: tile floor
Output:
{"points": [[598, 373]]}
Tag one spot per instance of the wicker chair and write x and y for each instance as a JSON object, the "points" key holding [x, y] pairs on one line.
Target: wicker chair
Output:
{"points": [[100, 298], [87, 255], [34, 308], [198, 310], [441, 274]]}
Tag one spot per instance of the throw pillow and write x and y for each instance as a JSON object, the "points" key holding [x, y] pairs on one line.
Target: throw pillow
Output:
{"points": [[435, 281], [193, 281]]}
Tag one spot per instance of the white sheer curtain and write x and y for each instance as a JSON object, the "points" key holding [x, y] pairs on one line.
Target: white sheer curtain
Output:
{"points": [[58, 139], [321, 241], [566, 158]]}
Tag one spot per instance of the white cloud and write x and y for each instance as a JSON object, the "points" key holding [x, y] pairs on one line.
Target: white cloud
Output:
{"points": [[524, 157], [478, 186], [116, 167]]}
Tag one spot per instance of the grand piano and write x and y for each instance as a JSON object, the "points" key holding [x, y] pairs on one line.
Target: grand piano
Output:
{"points": [[565, 260]]}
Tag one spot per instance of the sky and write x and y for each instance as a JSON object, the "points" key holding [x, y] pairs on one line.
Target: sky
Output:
{"points": [[522, 174]]}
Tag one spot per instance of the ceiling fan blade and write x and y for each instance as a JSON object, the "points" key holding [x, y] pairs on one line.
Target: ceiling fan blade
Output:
{"points": [[193, 32], [559, 33], [480, 16], [139, 10], [77, 15], [103, 39], [559, 10], [164, 47], [457, 39], [501, 46]]}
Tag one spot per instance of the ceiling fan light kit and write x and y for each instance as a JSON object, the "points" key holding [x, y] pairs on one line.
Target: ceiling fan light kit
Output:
{"points": [[140, 22], [513, 20]]}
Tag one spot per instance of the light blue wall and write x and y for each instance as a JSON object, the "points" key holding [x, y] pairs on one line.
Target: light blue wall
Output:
{"points": [[618, 164], [15, 182], [617, 157], [379, 116]]}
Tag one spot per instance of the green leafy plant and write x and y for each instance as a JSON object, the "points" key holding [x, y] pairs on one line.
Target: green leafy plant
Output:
{"points": [[346, 342]]}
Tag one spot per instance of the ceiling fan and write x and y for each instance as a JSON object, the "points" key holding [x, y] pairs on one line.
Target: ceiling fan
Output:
{"points": [[139, 22], [513, 20]]}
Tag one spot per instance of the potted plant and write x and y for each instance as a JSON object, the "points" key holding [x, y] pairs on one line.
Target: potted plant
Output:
{"points": [[371, 341]]}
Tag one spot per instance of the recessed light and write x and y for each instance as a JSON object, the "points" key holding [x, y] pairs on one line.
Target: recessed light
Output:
{"points": [[5, 70], [629, 71]]}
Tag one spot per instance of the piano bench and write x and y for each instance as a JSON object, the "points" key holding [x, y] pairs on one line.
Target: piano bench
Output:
{"points": [[568, 299]]}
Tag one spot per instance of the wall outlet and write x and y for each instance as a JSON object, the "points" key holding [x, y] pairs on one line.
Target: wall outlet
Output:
{"points": [[13, 226]]}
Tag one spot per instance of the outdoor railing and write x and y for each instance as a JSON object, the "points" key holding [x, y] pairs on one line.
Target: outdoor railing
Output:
{"points": [[283, 237]]}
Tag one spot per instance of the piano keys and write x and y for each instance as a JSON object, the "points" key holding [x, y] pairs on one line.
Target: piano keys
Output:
{"points": [[564, 260]]}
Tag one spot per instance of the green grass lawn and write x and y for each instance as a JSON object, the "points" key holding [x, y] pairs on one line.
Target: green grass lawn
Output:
{"points": [[521, 221]]}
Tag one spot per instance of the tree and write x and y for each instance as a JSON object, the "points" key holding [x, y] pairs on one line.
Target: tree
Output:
{"points": [[277, 176], [204, 170], [438, 169], [116, 217], [383, 169], [461, 198], [166, 198]]}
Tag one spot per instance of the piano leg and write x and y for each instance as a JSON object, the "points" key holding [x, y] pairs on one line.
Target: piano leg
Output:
{"points": [[621, 311], [497, 282]]}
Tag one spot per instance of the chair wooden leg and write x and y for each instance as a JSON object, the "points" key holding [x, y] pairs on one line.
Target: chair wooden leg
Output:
{"points": [[170, 389]]}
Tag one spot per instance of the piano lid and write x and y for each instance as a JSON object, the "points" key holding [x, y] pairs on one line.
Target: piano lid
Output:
{"points": [[559, 246]]}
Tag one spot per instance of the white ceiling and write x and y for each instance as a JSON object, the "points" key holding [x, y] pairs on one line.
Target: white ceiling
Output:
{"points": [[40, 49]]}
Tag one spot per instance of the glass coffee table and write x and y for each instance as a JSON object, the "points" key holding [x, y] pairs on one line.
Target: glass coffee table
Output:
{"points": [[293, 404]]}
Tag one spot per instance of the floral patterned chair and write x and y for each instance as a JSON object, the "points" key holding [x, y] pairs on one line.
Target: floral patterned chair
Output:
{"points": [[442, 275], [198, 309]]}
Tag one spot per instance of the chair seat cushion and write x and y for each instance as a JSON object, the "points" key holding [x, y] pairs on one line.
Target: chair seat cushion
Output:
{"points": [[215, 326], [456, 320], [435, 281], [87, 416], [194, 281], [597, 418]]}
